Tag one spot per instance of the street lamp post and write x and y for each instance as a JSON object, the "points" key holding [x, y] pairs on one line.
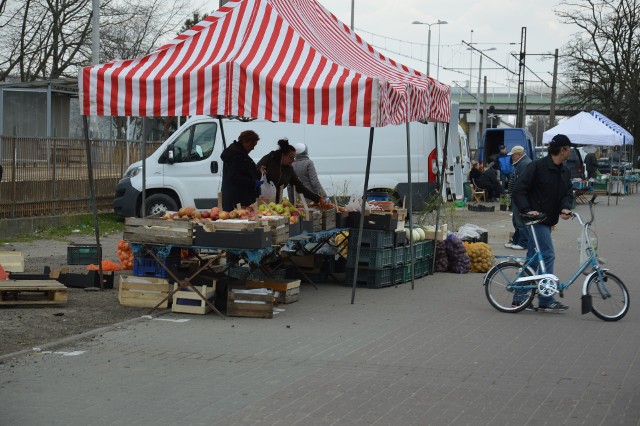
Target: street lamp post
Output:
{"points": [[439, 22]]}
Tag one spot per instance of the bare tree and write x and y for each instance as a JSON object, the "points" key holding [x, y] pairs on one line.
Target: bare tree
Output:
{"points": [[603, 59]]}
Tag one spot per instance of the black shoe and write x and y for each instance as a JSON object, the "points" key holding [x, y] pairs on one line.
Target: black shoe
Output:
{"points": [[554, 307]]}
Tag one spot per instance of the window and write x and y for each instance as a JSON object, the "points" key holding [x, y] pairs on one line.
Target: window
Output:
{"points": [[195, 144]]}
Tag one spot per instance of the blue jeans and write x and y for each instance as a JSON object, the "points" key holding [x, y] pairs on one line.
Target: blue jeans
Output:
{"points": [[543, 233], [521, 234]]}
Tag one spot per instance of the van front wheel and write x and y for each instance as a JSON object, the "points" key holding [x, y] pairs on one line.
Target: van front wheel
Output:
{"points": [[159, 204]]}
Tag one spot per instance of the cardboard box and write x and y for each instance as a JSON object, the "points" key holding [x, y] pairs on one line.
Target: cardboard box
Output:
{"points": [[442, 233], [189, 302]]}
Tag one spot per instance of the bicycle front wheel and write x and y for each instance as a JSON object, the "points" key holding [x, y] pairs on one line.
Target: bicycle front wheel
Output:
{"points": [[609, 299], [501, 291]]}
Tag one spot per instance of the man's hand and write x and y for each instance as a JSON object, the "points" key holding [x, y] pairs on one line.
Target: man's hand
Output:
{"points": [[566, 214]]}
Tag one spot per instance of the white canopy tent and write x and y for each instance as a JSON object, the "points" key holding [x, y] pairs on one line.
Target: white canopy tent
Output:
{"points": [[590, 129]]}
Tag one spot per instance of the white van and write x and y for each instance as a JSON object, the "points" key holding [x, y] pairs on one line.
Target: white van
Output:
{"points": [[186, 169]]}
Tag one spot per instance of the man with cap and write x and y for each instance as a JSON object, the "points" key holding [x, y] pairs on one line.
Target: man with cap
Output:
{"points": [[306, 172], [545, 187], [519, 161]]}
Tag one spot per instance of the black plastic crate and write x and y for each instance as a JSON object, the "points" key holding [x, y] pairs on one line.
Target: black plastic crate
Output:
{"points": [[82, 254], [372, 238], [371, 278]]}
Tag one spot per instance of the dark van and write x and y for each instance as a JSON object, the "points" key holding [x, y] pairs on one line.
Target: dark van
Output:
{"points": [[575, 162], [493, 138]]}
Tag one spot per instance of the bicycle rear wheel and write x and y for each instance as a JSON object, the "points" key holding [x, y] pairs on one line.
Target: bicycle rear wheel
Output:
{"points": [[502, 293], [609, 299]]}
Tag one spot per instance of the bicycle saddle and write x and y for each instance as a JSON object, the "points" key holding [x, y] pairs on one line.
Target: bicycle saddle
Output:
{"points": [[535, 218]]}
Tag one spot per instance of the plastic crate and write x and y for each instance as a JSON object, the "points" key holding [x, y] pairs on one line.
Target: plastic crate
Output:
{"points": [[149, 267], [374, 258], [372, 238], [418, 251], [398, 274], [82, 254], [371, 278]]}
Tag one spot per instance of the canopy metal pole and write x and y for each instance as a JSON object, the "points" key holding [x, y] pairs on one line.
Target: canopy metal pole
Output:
{"points": [[410, 205], [145, 136], [92, 199], [224, 139], [361, 225]]}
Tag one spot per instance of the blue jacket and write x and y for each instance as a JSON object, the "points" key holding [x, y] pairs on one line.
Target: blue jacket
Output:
{"points": [[505, 164]]}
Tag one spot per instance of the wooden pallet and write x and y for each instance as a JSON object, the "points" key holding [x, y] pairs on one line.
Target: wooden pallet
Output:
{"points": [[159, 231], [32, 292]]}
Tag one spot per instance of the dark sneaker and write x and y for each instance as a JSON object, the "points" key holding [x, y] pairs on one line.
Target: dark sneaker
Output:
{"points": [[554, 307]]}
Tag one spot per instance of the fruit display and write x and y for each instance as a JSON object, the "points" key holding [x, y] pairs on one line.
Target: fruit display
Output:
{"points": [[481, 256], [125, 254], [459, 261]]}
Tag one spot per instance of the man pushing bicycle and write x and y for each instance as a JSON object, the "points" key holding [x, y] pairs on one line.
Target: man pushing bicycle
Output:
{"points": [[545, 187]]}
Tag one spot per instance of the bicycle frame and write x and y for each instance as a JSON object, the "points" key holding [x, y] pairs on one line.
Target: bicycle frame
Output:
{"points": [[550, 283]]}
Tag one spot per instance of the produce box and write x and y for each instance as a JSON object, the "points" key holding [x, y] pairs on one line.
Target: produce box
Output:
{"points": [[283, 291], [12, 261], [187, 301], [295, 229], [431, 234], [143, 292], [328, 220], [254, 303], [385, 221], [82, 254], [159, 231], [280, 234], [258, 238]]}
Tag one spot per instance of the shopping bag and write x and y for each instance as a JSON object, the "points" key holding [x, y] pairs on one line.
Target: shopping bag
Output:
{"points": [[267, 189]]}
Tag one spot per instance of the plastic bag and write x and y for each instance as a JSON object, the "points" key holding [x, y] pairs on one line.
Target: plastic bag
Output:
{"points": [[470, 231], [268, 189]]}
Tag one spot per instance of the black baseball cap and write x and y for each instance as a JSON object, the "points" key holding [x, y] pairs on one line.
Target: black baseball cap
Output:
{"points": [[559, 141]]}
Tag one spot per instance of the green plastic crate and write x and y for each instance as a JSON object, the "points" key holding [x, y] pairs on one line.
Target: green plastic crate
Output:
{"points": [[371, 257], [370, 278]]}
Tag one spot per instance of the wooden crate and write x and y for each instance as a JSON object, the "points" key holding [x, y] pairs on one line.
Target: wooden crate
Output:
{"points": [[188, 302], [12, 261], [32, 292], [143, 292], [242, 304], [280, 234], [328, 220], [283, 291], [158, 231]]}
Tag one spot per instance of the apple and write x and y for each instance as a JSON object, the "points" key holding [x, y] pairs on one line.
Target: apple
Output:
{"points": [[182, 212], [168, 215], [188, 211], [215, 210], [243, 212], [233, 214], [223, 215], [262, 208], [272, 205], [196, 214], [279, 209], [205, 214], [286, 203]]}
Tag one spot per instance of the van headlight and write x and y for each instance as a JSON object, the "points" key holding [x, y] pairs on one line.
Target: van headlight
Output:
{"points": [[132, 172]]}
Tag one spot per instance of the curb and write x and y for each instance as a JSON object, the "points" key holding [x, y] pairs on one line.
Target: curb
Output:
{"points": [[69, 339]]}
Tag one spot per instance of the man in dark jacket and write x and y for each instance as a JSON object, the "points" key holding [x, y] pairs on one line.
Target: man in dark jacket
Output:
{"points": [[591, 164], [240, 176], [488, 180], [545, 187]]}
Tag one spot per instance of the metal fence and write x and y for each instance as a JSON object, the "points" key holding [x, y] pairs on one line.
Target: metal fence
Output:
{"points": [[49, 176]]}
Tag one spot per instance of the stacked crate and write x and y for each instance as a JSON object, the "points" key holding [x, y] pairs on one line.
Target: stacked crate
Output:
{"points": [[419, 259], [379, 258]]}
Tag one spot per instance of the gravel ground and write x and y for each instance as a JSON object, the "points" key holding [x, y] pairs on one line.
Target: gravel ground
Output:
{"points": [[25, 327]]}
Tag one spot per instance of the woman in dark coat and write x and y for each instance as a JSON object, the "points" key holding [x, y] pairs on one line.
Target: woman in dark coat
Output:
{"points": [[277, 166], [240, 177]]}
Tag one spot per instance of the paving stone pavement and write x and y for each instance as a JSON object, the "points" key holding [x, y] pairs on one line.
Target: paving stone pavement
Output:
{"points": [[438, 354]]}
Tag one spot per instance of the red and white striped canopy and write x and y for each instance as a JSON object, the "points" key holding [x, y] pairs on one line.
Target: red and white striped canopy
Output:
{"points": [[279, 60]]}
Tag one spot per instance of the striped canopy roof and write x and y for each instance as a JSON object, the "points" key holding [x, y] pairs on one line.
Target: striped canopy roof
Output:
{"points": [[279, 60]]}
